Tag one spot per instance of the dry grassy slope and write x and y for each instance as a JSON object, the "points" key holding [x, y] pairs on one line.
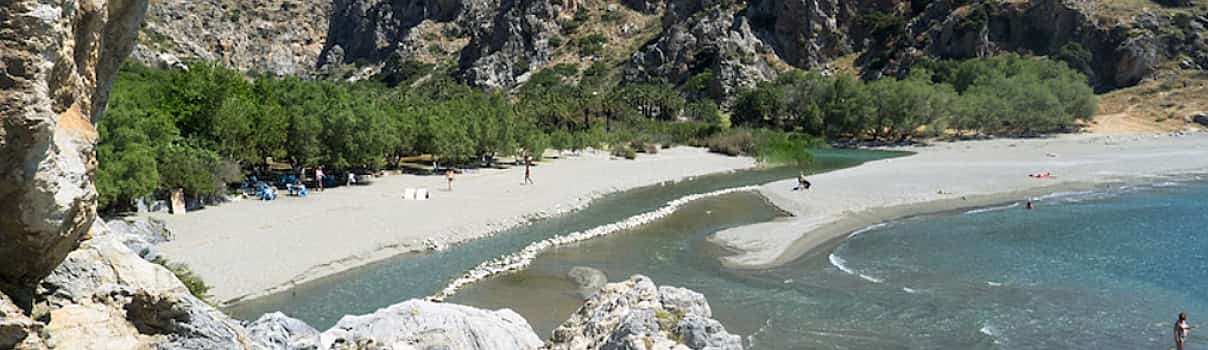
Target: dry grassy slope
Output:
{"points": [[1157, 105]]}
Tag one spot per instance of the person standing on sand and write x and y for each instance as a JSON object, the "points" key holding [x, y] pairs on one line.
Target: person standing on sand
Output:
{"points": [[528, 172], [319, 177], [1181, 327], [449, 177]]}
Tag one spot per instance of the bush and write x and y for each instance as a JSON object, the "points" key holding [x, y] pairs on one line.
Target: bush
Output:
{"points": [[734, 143], [191, 280], [591, 45], [624, 151]]}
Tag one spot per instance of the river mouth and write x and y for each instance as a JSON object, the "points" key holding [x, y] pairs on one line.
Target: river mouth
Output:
{"points": [[1124, 258], [364, 289]]}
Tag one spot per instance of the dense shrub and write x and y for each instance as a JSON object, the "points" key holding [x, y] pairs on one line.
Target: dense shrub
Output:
{"points": [[1005, 95]]}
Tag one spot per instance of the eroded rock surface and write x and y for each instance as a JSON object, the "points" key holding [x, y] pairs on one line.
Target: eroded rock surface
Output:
{"points": [[57, 59], [427, 325], [636, 314], [104, 296], [280, 37]]}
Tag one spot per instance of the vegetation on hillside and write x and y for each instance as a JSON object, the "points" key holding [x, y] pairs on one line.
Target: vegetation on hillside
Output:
{"points": [[1004, 95], [203, 128]]}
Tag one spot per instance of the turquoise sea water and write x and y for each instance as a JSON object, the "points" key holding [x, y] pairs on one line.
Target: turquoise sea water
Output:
{"points": [[1103, 270], [1100, 270]]}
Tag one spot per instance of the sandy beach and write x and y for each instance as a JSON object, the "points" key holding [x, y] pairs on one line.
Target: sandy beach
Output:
{"points": [[248, 248], [948, 176]]}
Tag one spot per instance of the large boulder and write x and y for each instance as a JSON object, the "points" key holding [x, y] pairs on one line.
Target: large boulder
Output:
{"points": [[418, 324], [57, 60], [636, 314], [588, 279]]}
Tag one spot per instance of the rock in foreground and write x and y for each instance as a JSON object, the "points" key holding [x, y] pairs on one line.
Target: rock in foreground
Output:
{"points": [[635, 314], [418, 324]]}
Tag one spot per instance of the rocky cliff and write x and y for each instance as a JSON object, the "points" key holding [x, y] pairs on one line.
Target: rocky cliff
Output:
{"points": [[1113, 52], [281, 37], [495, 43], [57, 60]]}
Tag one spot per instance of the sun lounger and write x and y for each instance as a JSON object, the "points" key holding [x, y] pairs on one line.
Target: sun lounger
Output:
{"points": [[409, 194], [421, 194]]}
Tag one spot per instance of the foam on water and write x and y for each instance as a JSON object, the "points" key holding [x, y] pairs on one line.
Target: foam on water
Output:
{"points": [[866, 229], [991, 209], [842, 266]]}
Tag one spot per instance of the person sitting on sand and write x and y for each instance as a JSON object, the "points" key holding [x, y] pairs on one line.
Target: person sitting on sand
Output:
{"points": [[449, 177], [802, 183], [1181, 327]]}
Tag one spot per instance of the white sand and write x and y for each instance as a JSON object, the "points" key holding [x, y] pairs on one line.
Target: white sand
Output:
{"points": [[974, 173], [250, 248]]}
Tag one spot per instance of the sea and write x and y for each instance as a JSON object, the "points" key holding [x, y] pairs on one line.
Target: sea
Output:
{"points": [[1103, 269]]}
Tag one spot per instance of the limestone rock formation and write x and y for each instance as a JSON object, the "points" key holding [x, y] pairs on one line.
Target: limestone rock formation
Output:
{"points": [[635, 314], [426, 325], [18, 331], [703, 35], [275, 331], [104, 296], [281, 37], [140, 234], [57, 60], [1114, 54], [504, 47]]}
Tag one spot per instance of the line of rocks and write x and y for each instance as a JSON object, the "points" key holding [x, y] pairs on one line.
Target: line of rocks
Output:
{"points": [[520, 260]]}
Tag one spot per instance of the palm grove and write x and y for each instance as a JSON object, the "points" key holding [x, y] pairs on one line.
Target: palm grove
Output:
{"points": [[202, 128]]}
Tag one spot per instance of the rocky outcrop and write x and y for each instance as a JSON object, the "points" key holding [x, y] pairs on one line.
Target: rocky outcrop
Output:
{"points": [[56, 63], [699, 36], [281, 37], [275, 331], [18, 331], [426, 325], [1112, 54], [103, 296], [510, 44], [140, 234], [635, 314]]}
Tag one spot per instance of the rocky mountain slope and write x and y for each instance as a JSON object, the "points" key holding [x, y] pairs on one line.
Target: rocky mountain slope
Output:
{"points": [[497, 43]]}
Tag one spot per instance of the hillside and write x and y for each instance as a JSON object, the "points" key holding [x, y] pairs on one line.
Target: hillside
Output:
{"points": [[499, 44]]}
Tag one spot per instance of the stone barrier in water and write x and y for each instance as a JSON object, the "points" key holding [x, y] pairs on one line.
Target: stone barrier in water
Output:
{"points": [[519, 260]]}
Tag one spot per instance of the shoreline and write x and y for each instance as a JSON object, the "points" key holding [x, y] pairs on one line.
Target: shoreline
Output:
{"points": [[820, 222], [272, 253]]}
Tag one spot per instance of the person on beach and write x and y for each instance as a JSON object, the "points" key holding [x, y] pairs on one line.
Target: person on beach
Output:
{"points": [[319, 178], [449, 177], [352, 178], [1181, 327], [1029, 205], [528, 170], [802, 183]]}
